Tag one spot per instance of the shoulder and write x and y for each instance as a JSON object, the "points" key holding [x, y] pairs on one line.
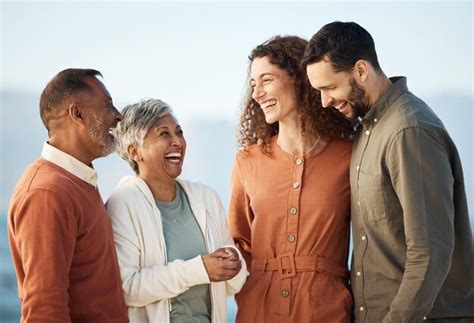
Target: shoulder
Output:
{"points": [[197, 189], [252, 157], [201, 192], [411, 111], [48, 191], [127, 195], [341, 144], [45, 175], [125, 189], [43, 178]]}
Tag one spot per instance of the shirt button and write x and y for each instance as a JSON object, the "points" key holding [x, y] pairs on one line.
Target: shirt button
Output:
{"points": [[293, 210], [358, 203], [285, 293], [299, 161], [375, 120], [359, 273], [363, 237], [296, 185], [424, 318], [291, 238], [361, 308], [367, 132], [358, 167]]}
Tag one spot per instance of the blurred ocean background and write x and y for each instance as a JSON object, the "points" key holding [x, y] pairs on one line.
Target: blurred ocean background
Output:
{"points": [[193, 55]]}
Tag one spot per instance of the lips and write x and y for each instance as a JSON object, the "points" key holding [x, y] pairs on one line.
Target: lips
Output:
{"points": [[268, 105], [175, 157], [343, 107]]}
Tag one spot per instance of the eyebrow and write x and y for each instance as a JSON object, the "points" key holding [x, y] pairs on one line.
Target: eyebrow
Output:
{"points": [[263, 75], [166, 127], [325, 87]]}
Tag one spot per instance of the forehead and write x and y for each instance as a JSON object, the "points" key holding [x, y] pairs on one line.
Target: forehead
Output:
{"points": [[262, 65], [322, 74], [97, 87], [166, 121]]}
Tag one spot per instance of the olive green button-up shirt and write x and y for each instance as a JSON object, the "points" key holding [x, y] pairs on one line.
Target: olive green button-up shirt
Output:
{"points": [[413, 251]]}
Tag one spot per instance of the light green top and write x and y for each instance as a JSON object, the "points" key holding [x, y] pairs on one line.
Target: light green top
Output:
{"points": [[184, 240]]}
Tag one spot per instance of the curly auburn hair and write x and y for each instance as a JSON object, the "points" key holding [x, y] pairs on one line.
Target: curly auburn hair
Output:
{"points": [[286, 52]]}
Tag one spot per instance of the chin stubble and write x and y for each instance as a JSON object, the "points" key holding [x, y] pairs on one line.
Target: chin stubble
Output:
{"points": [[106, 143]]}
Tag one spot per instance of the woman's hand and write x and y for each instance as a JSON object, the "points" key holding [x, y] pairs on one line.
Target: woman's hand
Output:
{"points": [[222, 264]]}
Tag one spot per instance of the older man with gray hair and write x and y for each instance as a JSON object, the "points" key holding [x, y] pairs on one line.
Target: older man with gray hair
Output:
{"points": [[60, 236]]}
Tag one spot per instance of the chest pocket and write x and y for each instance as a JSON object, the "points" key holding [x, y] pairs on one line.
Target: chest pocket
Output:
{"points": [[371, 197]]}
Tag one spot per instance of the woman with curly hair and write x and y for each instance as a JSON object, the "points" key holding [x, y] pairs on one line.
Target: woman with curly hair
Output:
{"points": [[290, 204]]}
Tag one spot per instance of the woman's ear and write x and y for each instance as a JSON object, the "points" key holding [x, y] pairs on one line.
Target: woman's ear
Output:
{"points": [[134, 153]]}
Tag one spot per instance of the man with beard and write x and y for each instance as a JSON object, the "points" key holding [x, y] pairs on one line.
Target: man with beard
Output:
{"points": [[413, 253], [60, 236]]}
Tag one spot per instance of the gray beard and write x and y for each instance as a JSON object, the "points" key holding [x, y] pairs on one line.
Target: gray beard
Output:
{"points": [[106, 143]]}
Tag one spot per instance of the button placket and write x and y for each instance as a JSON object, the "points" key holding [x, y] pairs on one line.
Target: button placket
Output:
{"points": [[291, 234], [293, 205]]}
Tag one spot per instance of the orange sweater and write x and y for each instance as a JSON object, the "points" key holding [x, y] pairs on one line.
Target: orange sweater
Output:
{"points": [[289, 216], [63, 250]]}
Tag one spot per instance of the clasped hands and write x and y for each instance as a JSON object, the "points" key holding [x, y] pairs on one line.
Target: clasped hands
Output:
{"points": [[222, 264]]}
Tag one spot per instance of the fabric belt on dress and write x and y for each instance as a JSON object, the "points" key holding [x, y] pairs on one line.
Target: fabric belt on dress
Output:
{"points": [[288, 265]]}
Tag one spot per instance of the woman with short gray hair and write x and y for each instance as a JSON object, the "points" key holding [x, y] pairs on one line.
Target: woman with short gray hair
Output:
{"points": [[177, 259]]}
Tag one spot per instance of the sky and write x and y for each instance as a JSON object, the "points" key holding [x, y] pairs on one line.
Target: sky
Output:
{"points": [[194, 54]]}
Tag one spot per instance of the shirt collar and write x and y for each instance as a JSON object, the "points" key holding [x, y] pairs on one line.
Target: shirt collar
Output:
{"points": [[398, 87], [70, 164]]}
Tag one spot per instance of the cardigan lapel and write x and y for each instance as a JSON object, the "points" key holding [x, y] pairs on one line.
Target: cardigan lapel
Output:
{"points": [[196, 199]]}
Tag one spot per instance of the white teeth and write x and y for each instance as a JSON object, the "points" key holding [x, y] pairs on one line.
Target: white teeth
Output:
{"points": [[268, 104], [176, 155], [339, 106]]}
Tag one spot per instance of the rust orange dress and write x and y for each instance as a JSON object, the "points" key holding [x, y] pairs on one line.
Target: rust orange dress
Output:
{"points": [[290, 216]]}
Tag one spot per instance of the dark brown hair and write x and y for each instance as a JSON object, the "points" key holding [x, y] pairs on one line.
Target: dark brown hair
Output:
{"points": [[344, 43], [286, 52], [65, 84]]}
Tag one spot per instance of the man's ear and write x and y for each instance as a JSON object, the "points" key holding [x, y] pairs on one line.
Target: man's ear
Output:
{"points": [[361, 70], [75, 112]]}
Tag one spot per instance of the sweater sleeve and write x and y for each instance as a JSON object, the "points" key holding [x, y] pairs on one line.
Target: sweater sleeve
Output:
{"points": [[143, 285], [44, 232], [240, 214]]}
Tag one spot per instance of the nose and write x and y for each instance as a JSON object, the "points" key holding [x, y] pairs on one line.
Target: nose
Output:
{"points": [[177, 141], [326, 100], [117, 115], [257, 92]]}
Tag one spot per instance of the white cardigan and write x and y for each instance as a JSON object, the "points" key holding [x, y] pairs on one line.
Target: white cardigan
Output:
{"points": [[148, 279]]}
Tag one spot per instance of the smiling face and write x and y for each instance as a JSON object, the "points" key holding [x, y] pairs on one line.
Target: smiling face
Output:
{"points": [[273, 90], [162, 154], [101, 117], [338, 89]]}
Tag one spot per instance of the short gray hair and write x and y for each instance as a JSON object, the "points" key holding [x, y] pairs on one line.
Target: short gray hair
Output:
{"points": [[137, 120]]}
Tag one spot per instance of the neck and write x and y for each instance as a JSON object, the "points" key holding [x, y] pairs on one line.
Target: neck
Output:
{"points": [[162, 189], [379, 86], [71, 145], [292, 141]]}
